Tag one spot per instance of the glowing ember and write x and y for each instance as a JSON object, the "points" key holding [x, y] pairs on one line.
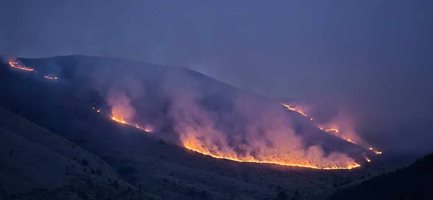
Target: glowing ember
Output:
{"points": [[49, 77], [16, 64], [367, 159], [196, 146], [377, 152], [147, 128], [98, 110]]}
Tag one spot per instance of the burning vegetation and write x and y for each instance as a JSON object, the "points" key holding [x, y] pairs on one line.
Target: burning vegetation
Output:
{"points": [[122, 112], [262, 136], [266, 138], [16, 64], [332, 162], [346, 134]]}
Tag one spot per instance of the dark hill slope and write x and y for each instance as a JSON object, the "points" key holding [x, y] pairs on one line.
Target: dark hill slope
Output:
{"points": [[412, 182], [38, 164]]}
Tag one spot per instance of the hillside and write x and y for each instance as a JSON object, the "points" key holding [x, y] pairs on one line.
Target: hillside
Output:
{"points": [[38, 164], [155, 163], [412, 182]]}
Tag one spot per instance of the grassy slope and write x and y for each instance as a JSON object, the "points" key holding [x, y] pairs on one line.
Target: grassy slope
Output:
{"points": [[37, 164]]}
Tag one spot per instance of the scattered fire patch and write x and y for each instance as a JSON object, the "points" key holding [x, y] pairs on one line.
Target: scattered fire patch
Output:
{"points": [[50, 77], [16, 64], [333, 129]]}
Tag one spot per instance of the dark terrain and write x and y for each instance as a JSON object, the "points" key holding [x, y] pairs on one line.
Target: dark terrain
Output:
{"points": [[412, 182]]}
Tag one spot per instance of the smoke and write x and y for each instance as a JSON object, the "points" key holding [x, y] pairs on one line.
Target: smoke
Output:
{"points": [[121, 109], [246, 130], [209, 118]]}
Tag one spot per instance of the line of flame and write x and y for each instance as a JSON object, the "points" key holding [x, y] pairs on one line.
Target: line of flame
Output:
{"points": [[198, 149], [333, 131], [14, 63]]}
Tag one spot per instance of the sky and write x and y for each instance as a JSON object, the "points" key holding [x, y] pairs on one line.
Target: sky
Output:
{"points": [[372, 58]]}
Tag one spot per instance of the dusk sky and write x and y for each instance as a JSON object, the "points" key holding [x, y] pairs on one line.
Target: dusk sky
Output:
{"points": [[372, 58]]}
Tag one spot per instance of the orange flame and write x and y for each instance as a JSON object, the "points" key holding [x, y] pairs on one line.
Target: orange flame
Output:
{"points": [[298, 110], [334, 130], [119, 119], [196, 146], [122, 112], [16, 64]]}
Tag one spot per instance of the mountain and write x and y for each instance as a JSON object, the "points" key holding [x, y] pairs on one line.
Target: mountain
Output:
{"points": [[59, 114], [412, 182]]}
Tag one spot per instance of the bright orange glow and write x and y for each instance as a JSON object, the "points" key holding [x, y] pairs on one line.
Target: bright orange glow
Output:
{"points": [[119, 119], [332, 130], [196, 146], [336, 132], [120, 116], [16, 64], [49, 77]]}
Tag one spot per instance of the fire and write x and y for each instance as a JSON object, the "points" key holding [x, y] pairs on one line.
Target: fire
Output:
{"points": [[367, 159], [336, 132], [119, 119], [268, 139], [333, 129], [122, 112], [298, 110], [377, 152], [49, 77], [147, 128], [16, 64], [196, 146]]}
